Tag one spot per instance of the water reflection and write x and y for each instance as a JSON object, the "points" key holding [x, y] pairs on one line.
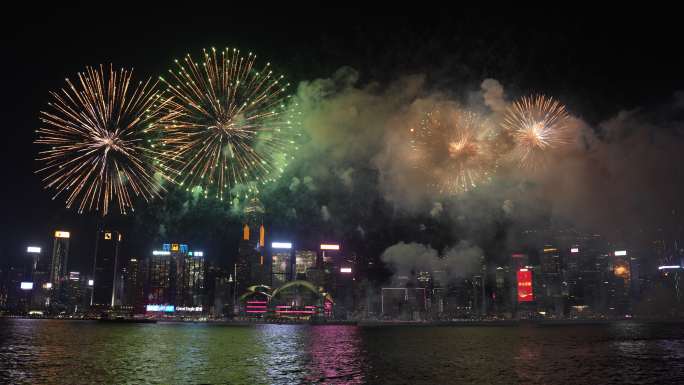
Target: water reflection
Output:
{"points": [[82, 352], [311, 354], [336, 355]]}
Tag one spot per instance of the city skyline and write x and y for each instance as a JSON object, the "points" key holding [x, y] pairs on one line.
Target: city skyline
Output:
{"points": [[217, 194]]}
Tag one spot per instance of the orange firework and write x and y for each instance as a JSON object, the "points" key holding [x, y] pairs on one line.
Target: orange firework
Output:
{"points": [[100, 150], [537, 125], [456, 147]]}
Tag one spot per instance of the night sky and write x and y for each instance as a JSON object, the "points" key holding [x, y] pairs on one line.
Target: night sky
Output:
{"points": [[597, 64]]}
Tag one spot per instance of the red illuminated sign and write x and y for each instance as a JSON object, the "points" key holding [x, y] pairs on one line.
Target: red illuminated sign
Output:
{"points": [[525, 286]]}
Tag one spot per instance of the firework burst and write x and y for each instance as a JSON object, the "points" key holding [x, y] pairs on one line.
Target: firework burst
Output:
{"points": [[228, 124], [456, 147], [99, 149], [538, 125]]}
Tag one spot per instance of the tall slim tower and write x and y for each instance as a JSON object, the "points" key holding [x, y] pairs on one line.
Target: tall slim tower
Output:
{"points": [[106, 269], [252, 267], [39, 275], [60, 257]]}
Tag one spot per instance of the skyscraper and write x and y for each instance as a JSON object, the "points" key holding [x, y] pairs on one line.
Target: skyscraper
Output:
{"points": [[281, 263], [304, 260], [193, 284], [60, 258], [39, 275], [134, 285], [252, 267], [106, 269], [158, 290]]}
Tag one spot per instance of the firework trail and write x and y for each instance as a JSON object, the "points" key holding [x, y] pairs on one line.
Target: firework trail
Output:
{"points": [[98, 132], [537, 125], [227, 123], [456, 147]]}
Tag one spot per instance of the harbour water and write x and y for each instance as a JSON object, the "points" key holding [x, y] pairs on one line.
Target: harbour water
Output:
{"points": [[88, 352]]}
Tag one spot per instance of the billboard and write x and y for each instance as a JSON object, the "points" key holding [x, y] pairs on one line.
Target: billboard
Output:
{"points": [[162, 308], [281, 245], [26, 285], [525, 286]]}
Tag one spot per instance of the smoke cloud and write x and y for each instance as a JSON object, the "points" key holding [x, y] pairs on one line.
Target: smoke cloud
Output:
{"points": [[613, 170], [493, 94], [355, 160], [408, 259]]}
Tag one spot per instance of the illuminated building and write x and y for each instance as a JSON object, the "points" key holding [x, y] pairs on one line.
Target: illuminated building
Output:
{"points": [[304, 260], [281, 263], [159, 284], [40, 276], [191, 276], [75, 293], [330, 264], [252, 265], [501, 295], [525, 292], [246, 253], [134, 288], [177, 276], [548, 290], [60, 257], [669, 284], [344, 273], [619, 282], [106, 269], [298, 300], [572, 263]]}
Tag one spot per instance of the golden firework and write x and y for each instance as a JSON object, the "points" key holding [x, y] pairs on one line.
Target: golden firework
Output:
{"points": [[227, 124], [456, 148], [100, 148], [538, 125]]}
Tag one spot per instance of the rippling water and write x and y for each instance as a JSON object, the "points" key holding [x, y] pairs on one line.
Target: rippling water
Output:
{"points": [[85, 352]]}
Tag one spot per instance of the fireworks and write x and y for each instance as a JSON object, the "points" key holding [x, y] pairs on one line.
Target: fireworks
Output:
{"points": [[456, 147], [228, 124], [537, 126], [97, 130]]}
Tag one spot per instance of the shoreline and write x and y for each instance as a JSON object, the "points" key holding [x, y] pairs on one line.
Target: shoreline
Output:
{"points": [[376, 323]]}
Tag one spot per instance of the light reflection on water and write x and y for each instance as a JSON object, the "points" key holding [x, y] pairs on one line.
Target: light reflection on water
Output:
{"points": [[84, 352]]}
